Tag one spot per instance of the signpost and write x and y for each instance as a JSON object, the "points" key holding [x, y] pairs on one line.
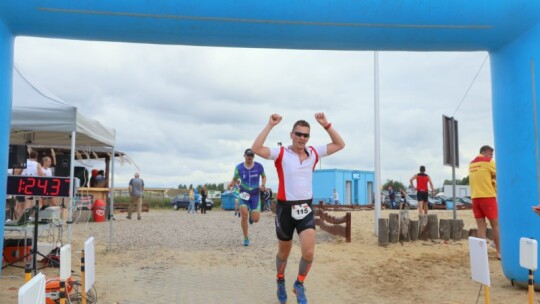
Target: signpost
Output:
{"points": [[451, 151]]}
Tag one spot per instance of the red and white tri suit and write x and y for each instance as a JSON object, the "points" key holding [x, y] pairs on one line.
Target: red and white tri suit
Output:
{"points": [[296, 177]]}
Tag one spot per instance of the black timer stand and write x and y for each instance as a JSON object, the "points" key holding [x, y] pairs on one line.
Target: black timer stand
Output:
{"points": [[34, 252]]}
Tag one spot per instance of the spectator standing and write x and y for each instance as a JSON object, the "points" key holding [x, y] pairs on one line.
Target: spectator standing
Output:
{"points": [[191, 208], [482, 178], [392, 197], [46, 169], [197, 200], [204, 195], [336, 197], [94, 174], [136, 191], [33, 168]]}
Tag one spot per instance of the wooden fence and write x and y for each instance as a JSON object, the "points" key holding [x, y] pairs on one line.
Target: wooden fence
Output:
{"points": [[329, 207], [332, 224]]}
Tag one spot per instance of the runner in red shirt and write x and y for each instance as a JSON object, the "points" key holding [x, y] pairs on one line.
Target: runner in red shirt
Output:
{"points": [[422, 180]]}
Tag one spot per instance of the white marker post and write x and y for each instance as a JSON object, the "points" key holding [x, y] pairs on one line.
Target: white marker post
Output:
{"points": [[480, 264], [528, 259]]}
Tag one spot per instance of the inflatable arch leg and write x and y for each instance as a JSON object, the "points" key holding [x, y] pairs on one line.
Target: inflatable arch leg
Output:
{"points": [[6, 75], [515, 72]]}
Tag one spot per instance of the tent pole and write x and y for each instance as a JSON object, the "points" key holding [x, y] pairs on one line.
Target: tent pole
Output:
{"points": [[111, 197], [72, 188]]}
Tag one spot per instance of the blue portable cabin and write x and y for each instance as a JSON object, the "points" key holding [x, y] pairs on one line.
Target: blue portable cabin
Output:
{"points": [[354, 187]]}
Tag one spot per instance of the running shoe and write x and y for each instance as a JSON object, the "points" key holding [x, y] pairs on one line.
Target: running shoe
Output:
{"points": [[300, 292], [246, 242], [281, 292]]}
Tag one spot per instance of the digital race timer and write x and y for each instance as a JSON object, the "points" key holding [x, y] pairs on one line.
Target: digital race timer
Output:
{"points": [[37, 185]]}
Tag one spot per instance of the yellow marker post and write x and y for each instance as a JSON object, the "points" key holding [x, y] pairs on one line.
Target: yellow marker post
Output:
{"points": [[528, 259], [486, 293], [83, 283], [27, 273], [62, 292], [531, 286]]}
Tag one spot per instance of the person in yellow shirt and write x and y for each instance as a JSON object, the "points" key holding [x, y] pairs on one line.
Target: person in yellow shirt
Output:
{"points": [[482, 178]]}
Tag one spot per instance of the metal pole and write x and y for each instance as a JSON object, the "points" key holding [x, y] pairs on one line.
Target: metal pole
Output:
{"points": [[453, 152], [72, 186], [377, 143]]}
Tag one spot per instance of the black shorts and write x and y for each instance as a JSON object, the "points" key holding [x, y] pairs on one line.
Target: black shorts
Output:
{"points": [[422, 196], [286, 224]]}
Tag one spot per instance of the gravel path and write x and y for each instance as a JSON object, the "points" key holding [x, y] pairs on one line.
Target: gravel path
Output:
{"points": [[174, 257], [216, 230]]}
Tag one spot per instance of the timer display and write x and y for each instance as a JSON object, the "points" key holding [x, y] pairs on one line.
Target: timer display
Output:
{"points": [[38, 186]]}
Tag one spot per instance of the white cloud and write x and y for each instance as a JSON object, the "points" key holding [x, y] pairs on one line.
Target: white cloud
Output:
{"points": [[186, 114]]}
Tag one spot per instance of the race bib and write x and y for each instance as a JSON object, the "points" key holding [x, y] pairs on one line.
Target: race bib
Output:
{"points": [[244, 196], [299, 212]]}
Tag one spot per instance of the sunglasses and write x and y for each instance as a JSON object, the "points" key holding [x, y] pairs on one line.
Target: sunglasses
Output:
{"points": [[300, 134]]}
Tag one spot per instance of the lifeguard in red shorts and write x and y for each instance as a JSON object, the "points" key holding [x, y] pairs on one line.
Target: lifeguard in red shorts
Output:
{"points": [[483, 183]]}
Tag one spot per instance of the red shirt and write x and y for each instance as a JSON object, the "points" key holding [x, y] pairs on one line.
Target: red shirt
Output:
{"points": [[422, 180]]}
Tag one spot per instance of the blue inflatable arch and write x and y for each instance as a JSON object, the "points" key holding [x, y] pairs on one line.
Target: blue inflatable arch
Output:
{"points": [[508, 30]]}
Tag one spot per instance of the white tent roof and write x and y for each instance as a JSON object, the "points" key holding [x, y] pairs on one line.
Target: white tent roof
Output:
{"points": [[38, 117]]}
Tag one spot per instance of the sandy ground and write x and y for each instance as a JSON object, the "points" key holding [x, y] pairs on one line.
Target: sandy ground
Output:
{"points": [[173, 257]]}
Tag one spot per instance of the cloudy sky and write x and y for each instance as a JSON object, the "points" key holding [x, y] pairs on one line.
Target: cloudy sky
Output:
{"points": [[185, 114]]}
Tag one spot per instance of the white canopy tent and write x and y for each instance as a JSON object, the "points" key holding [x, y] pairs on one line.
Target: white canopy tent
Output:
{"points": [[40, 118]]}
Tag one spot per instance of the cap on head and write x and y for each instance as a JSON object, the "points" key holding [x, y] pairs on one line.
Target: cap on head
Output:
{"points": [[249, 152]]}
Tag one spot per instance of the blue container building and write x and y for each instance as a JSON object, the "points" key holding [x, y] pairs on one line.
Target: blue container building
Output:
{"points": [[354, 187]]}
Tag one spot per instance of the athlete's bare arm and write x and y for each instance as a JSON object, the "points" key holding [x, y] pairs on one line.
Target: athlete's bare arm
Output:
{"points": [[258, 145]]}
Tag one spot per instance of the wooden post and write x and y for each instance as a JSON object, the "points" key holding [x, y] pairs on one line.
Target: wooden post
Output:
{"points": [[422, 227], [404, 225], [433, 227], [413, 230], [457, 230], [393, 226], [473, 232], [465, 234], [83, 281], [384, 234], [444, 229], [348, 227]]}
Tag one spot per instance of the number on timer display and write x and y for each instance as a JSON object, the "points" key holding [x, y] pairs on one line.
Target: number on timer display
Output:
{"points": [[40, 186]]}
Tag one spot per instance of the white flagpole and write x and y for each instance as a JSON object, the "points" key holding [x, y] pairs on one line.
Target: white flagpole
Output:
{"points": [[377, 144]]}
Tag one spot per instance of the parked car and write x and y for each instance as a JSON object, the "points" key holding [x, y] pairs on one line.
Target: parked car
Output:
{"points": [[430, 202], [413, 203], [466, 203], [461, 203], [181, 201], [437, 203]]}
